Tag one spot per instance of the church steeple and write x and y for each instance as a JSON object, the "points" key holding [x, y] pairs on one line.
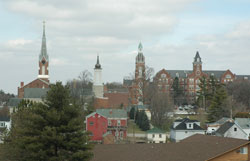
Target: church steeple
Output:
{"points": [[43, 53], [43, 71]]}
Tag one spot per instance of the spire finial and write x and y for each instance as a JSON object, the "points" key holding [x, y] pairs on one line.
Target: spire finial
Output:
{"points": [[140, 47], [98, 65], [44, 28]]}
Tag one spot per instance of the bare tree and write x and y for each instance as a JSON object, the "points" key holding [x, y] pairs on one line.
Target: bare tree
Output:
{"points": [[160, 106], [240, 92]]}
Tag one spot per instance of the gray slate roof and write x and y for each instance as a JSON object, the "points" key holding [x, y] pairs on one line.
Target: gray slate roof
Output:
{"points": [[5, 118], [112, 113], [243, 77], [244, 123], [223, 128], [183, 73], [183, 126], [35, 92]]}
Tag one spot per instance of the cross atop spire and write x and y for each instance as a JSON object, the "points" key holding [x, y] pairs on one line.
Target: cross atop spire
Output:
{"points": [[43, 54]]}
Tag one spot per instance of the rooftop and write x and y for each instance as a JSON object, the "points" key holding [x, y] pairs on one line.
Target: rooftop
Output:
{"points": [[190, 149]]}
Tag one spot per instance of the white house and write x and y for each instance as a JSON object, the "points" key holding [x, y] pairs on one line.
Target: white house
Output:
{"points": [[5, 122], [184, 128], [156, 135], [231, 129], [244, 123], [212, 127]]}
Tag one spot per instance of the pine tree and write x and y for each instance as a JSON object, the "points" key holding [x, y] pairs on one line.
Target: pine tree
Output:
{"points": [[132, 113], [53, 130], [217, 110]]}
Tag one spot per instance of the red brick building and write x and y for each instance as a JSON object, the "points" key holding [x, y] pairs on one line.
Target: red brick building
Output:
{"points": [[43, 72], [107, 121], [189, 80]]}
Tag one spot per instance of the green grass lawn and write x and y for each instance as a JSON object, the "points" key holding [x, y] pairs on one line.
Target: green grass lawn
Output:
{"points": [[136, 128]]}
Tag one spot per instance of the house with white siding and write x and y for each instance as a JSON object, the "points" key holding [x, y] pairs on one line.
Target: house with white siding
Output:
{"points": [[244, 123], [184, 128], [231, 129], [156, 135]]}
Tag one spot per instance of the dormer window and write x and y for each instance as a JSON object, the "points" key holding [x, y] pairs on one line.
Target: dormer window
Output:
{"points": [[190, 125]]}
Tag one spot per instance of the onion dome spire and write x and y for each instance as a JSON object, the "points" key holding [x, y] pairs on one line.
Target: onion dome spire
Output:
{"points": [[98, 65]]}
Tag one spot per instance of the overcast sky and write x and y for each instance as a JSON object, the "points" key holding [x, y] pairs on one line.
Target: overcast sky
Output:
{"points": [[171, 31]]}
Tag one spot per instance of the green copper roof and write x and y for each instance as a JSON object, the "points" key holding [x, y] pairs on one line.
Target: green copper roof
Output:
{"points": [[43, 53], [112, 113], [155, 130], [140, 47]]}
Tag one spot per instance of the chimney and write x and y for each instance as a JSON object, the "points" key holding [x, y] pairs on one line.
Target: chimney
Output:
{"points": [[22, 84]]}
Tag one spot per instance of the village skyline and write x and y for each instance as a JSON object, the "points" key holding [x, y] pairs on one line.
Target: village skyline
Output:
{"points": [[170, 37]]}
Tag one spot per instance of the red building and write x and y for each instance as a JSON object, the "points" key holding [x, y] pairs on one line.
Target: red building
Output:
{"points": [[107, 121]]}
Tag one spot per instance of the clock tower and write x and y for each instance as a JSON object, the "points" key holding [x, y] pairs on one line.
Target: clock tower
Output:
{"points": [[139, 75], [43, 71], [197, 64]]}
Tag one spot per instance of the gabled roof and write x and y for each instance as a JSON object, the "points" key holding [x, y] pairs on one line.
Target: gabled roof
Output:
{"points": [[35, 92], [183, 126], [5, 118], [223, 128], [112, 113], [195, 148], [155, 130], [220, 121], [244, 123]]}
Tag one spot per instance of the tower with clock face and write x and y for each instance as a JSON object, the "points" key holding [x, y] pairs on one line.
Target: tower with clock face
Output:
{"points": [[197, 64], [43, 71], [139, 75]]}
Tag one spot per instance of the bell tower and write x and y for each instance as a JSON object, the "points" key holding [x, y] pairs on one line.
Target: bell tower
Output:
{"points": [[98, 84], [197, 64], [139, 75], [43, 71]]}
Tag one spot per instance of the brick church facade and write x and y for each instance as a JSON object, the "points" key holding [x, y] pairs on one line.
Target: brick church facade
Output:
{"points": [[40, 85], [188, 79]]}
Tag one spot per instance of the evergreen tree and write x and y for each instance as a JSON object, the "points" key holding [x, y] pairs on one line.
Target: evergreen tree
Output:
{"points": [[217, 110], [132, 113], [144, 122], [52, 130]]}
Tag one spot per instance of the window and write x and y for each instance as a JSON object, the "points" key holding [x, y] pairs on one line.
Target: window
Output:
{"points": [[161, 141], [163, 75], [189, 125], [228, 76], [153, 136], [235, 129], [243, 150], [159, 135], [109, 122], [119, 123], [91, 123]]}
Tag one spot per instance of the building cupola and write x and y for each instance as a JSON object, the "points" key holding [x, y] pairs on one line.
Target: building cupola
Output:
{"points": [[140, 57]]}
